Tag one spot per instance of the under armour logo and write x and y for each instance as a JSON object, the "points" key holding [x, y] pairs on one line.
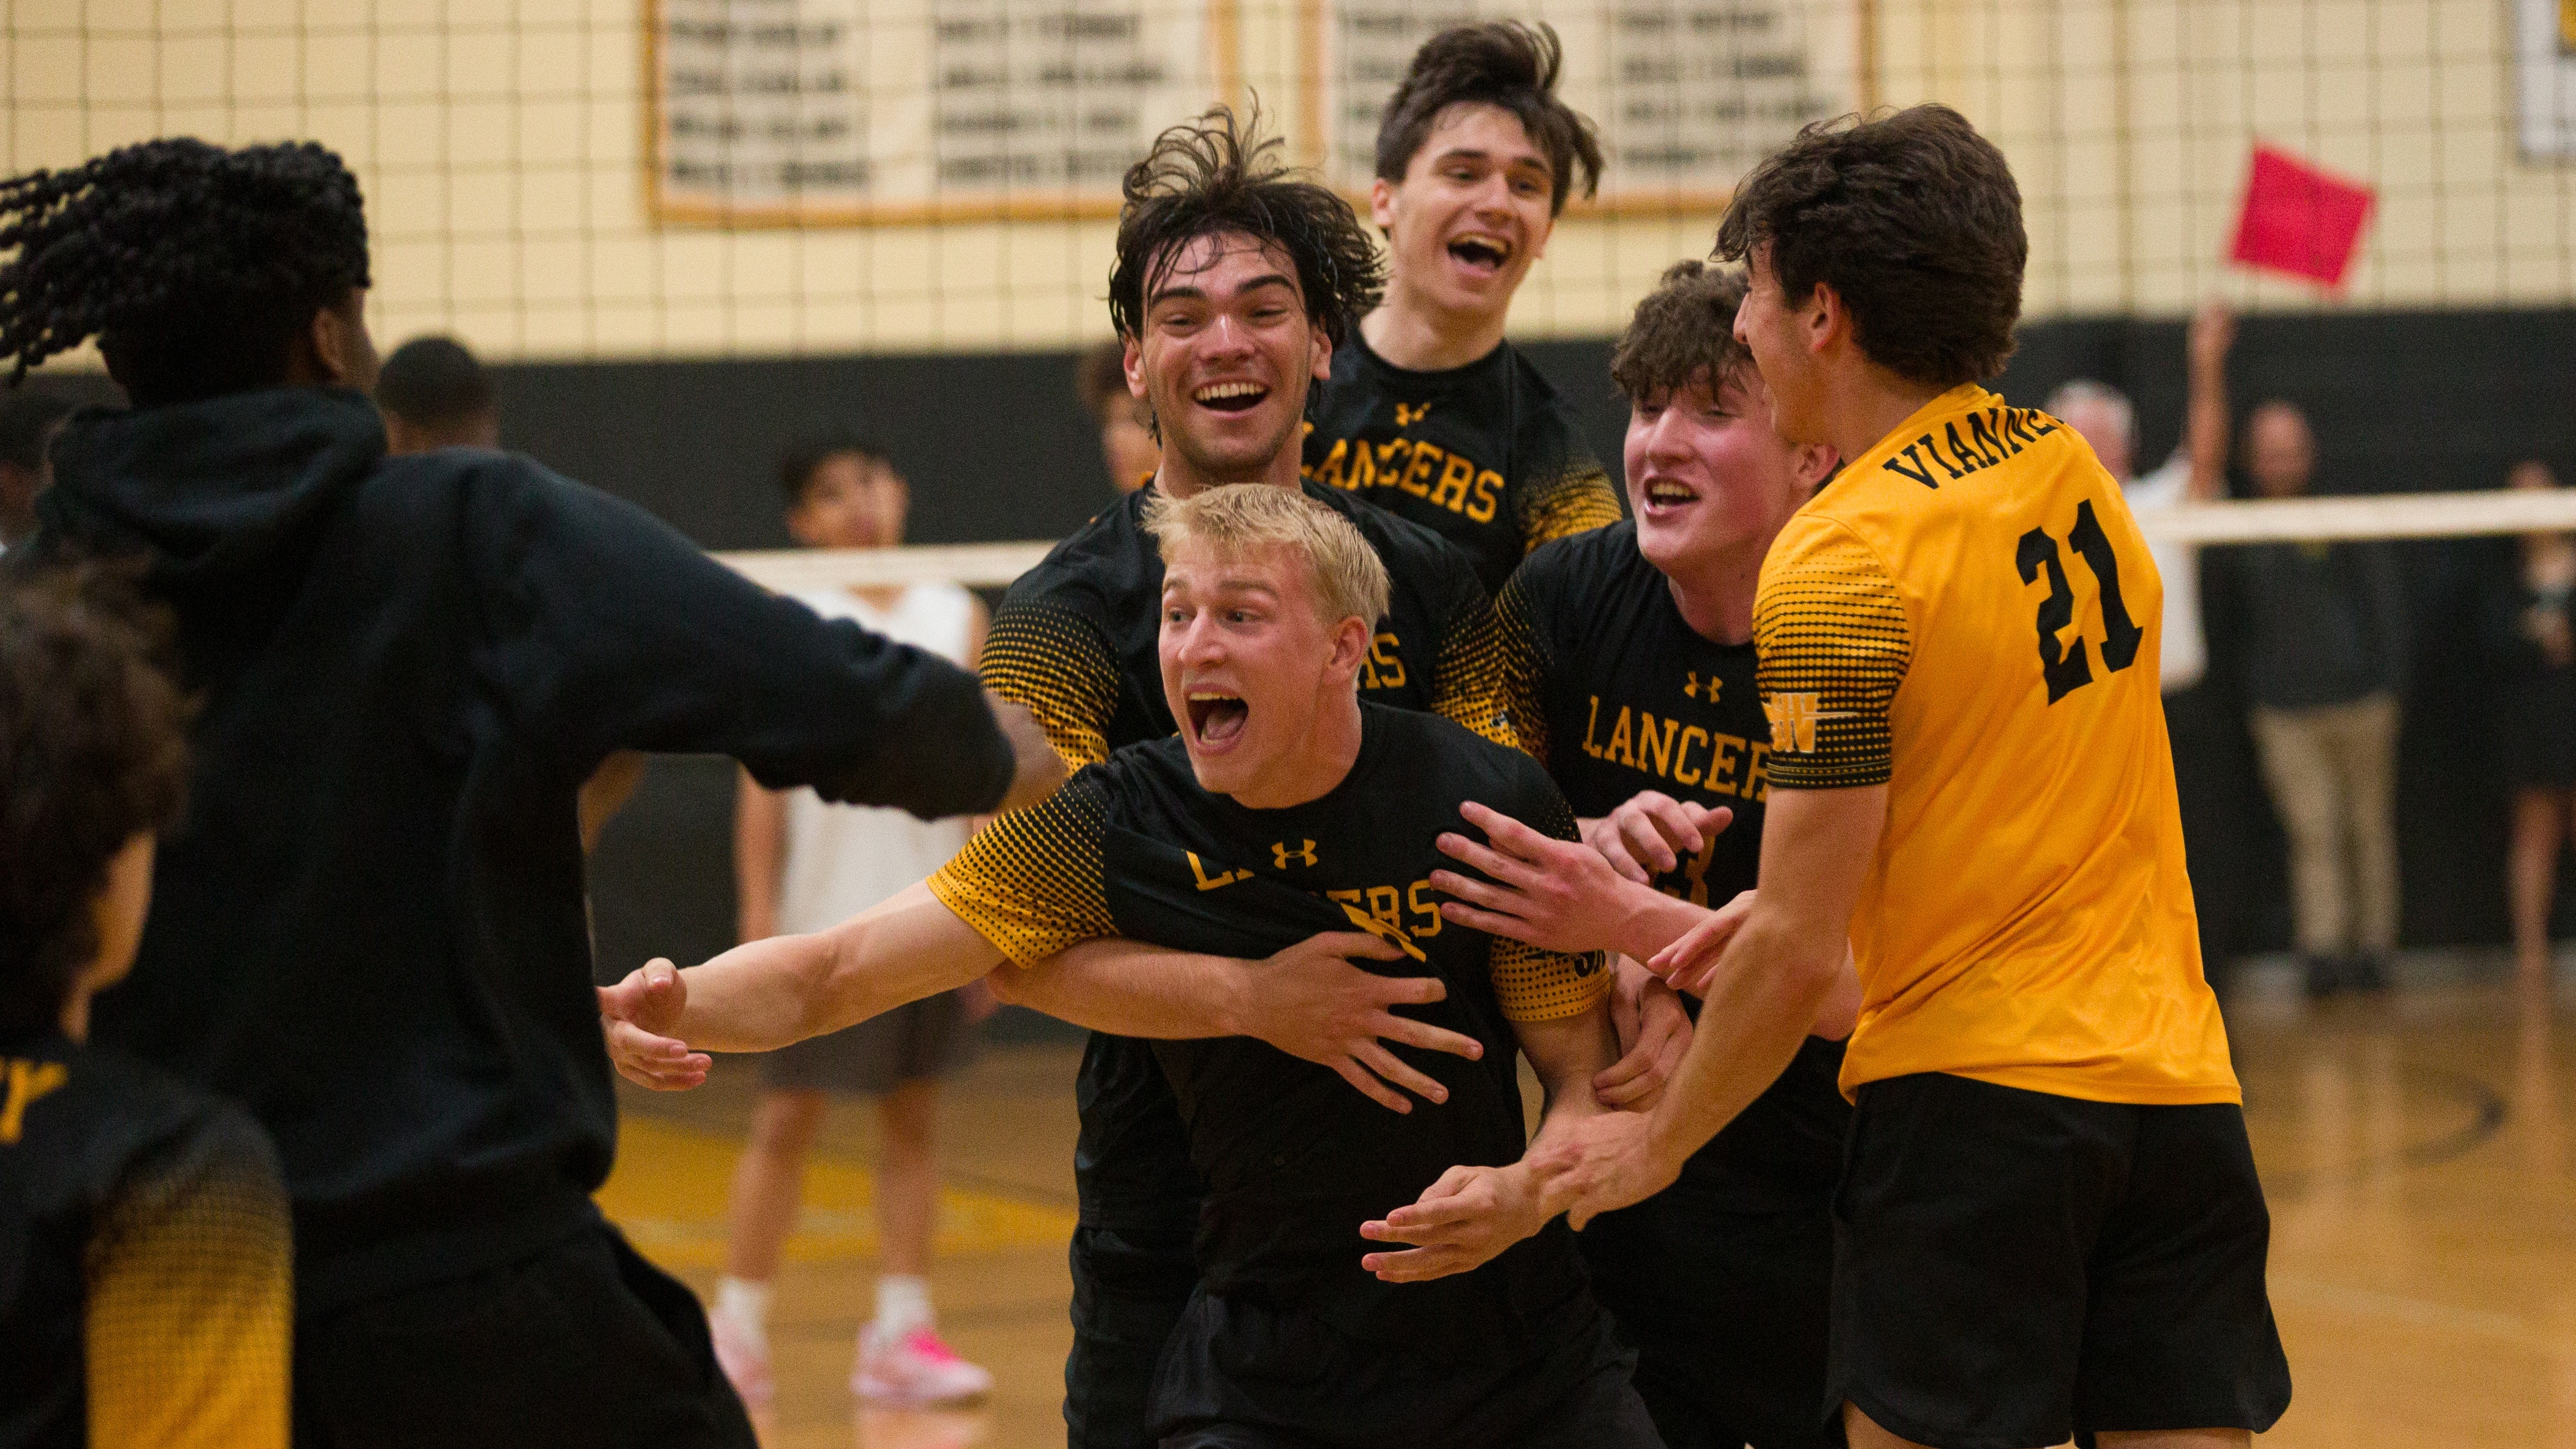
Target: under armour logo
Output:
{"points": [[1793, 722], [1691, 687], [1209, 882], [1304, 854], [1406, 417]]}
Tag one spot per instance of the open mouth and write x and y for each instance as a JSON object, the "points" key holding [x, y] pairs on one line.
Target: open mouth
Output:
{"points": [[1216, 718], [1662, 494], [1230, 397], [1482, 254]]}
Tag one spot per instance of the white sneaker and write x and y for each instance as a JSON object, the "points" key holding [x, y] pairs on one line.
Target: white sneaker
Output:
{"points": [[744, 1359], [914, 1369]]}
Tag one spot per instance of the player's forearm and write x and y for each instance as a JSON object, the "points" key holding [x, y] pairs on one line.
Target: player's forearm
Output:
{"points": [[767, 994], [1127, 988], [1565, 1056], [1761, 1002], [1649, 921], [2206, 429]]}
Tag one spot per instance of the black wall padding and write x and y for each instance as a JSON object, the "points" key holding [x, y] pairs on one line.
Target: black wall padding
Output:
{"points": [[997, 449]]}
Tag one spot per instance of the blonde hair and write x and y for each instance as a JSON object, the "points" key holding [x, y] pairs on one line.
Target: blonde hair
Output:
{"points": [[1239, 518]]}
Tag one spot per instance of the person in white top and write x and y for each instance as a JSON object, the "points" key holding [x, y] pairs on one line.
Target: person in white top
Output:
{"points": [[801, 865], [2196, 473]]}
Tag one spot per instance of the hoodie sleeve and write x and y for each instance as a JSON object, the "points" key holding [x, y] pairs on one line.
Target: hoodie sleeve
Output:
{"points": [[610, 631]]}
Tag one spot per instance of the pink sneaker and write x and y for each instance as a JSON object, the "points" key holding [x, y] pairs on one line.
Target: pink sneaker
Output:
{"points": [[914, 1369], [744, 1359]]}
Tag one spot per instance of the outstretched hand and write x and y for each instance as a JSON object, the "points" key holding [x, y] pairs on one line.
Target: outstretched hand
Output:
{"points": [[1557, 895], [1601, 1164], [1312, 1003], [1690, 962], [1651, 832], [635, 1013], [1459, 1223]]}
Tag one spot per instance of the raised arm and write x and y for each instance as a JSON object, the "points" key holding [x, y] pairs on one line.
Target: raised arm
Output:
{"points": [[2212, 334], [1308, 1001]]}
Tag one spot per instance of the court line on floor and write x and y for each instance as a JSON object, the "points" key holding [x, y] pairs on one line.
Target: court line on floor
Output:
{"points": [[2489, 1110]]}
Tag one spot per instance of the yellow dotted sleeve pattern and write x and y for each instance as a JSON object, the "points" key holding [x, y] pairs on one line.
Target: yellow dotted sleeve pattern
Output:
{"points": [[1032, 882], [1834, 643], [1535, 985], [1520, 667], [1467, 677], [191, 1301], [1578, 500], [1055, 662]]}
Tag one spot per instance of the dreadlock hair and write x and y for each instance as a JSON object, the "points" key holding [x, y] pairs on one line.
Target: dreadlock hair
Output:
{"points": [[1685, 327], [194, 266], [1502, 63], [1216, 176]]}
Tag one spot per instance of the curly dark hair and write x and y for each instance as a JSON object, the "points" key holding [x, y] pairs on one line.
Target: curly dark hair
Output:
{"points": [[1682, 328], [1495, 63], [1217, 176], [194, 266], [93, 752], [1913, 219]]}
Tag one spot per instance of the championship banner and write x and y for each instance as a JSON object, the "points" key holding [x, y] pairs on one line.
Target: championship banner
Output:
{"points": [[1688, 94], [823, 112]]}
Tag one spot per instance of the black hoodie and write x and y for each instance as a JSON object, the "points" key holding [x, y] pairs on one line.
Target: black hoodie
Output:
{"points": [[369, 928]]}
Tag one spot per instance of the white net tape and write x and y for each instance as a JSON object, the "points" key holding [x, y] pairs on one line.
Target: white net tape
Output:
{"points": [[2396, 515]]}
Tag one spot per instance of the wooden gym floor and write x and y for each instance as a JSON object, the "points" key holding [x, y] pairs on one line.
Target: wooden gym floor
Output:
{"points": [[2417, 1150]]}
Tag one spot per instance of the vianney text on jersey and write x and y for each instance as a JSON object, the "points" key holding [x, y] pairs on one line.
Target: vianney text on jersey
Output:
{"points": [[1968, 614]]}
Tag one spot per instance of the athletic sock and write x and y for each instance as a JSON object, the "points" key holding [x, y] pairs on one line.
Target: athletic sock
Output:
{"points": [[747, 1304], [903, 1305]]}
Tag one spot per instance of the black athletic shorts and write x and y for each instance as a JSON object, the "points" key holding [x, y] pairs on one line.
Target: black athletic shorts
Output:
{"points": [[2013, 1268], [1727, 1312], [582, 1346], [1129, 1289], [1239, 1375]]}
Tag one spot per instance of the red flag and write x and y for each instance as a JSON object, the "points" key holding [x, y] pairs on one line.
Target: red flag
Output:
{"points": [[2300, 220]]}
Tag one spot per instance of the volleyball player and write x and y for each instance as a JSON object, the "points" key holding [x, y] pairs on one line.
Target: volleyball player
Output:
{"points": [[1233, 282], [1428, 411], [1284, 806], [144, 1243], [434, 394], [369, 929], [2049, 1223], [1629, 673]]}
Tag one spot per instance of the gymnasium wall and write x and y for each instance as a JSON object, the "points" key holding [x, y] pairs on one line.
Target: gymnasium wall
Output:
{"points": [[503, 147]]}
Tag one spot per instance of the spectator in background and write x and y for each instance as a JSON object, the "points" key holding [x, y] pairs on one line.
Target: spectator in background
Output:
{"points": [[801, 865], [2325, 653], [1127, 443], [2196, 473], [29, 418], [145, 1251], [435, 395], [2538, 627]]}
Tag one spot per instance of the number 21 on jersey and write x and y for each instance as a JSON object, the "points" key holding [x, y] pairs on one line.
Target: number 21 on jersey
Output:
{"points": [[2064, 664]]}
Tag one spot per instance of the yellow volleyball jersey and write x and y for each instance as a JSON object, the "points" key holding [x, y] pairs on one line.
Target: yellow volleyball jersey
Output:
{"points": [[1968, 615]]}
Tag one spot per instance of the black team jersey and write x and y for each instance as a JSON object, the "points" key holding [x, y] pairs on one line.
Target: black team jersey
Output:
{"points": [[1075, 641], [1293, 1159], [1486, 454], [145, 1259], [1614, 693]]}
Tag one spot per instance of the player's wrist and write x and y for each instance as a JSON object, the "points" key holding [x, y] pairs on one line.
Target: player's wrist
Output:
{"points": [[1650, 920]]}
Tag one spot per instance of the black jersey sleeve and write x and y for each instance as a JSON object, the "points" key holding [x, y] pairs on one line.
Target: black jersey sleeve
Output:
{"points": [[190, 1297], [610, 631], [1532, 984], [1035, 881], [1055, 658], [1565, 490], [1523, 657], [1466, 671]]}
